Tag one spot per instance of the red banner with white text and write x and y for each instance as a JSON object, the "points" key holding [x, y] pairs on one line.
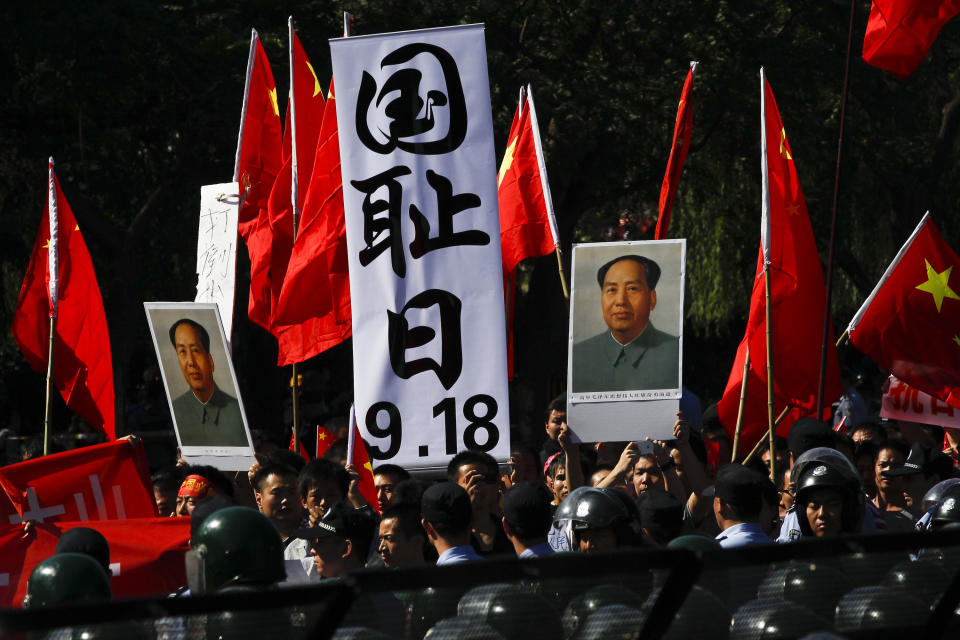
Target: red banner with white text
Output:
{"points": [[103, 482], [146, 555]]}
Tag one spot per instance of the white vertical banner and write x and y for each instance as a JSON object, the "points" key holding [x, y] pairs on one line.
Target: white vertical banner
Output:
{"points": [[423, 234], [217, 249]]}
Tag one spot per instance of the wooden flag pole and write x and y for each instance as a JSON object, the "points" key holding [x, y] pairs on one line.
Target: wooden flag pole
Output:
{"points": [[766, 283], [756, 447], [822, 382], [49, 402], [563, 278], [740, 409]]}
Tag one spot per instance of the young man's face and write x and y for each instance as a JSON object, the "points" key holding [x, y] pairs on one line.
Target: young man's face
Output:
{"points": [[593, 540], [646, 475], [555, 422], [322, 496], [888, 459], [166, 502], [278, 500], [384, 483], [824, 512], [558, 485], [329, 555], [396, 549]]}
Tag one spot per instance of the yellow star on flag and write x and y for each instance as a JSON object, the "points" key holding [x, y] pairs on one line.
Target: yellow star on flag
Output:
{"points": [[76, 228], [322, 436], [316, 83], [507, 160], [793, 209], [938, 285], [783, 144], [273, 101], [368, 467], [46, 245]]}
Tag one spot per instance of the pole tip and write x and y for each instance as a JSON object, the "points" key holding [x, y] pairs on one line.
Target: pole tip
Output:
{"points": [[50, 162]]}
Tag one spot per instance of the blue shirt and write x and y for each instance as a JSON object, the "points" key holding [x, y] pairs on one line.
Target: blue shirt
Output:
{"points": [[538, 551], [456, 555], [742, 535]]}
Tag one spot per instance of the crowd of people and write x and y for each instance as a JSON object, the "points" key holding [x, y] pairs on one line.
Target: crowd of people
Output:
{"points": [[295, 522]]}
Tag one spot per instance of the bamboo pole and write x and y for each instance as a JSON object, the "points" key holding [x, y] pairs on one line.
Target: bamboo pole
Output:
{"points": [[756, 447], [49, 402], [743, 403], [563, 278]]}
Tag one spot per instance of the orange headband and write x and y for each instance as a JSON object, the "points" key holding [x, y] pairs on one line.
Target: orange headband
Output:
{"points": [[196, 487]]}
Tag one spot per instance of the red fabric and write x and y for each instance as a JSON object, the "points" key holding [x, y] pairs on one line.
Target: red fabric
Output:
{"points": [[314, 306], [70, 482], [899, 32], [82, 363], [146, 555], [303, 449], [260, 161], [678, 154], [905, 331], [361, 462], [324, 440], [524, 224], [798, 297]]}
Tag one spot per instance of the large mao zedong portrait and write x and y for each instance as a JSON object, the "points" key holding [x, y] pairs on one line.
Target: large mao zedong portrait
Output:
{"points": [[198, 375], [626, 321]]}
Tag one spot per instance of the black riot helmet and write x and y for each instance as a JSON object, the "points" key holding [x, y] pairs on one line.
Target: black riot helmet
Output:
{"points": [[234, 546], [878, 608], [937, 492], [596, 508], [947, 511], [815, 586], [585, 604], [67, 578], [773, 620], [612, 621], [842, 478]]}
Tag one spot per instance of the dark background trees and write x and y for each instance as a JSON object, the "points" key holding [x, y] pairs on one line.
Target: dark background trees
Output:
{"points": [[139, 104]]}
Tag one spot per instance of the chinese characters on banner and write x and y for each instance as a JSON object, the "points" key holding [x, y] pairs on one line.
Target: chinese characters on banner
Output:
{"points": [[217, 249], [903, 402], [420, 201]]}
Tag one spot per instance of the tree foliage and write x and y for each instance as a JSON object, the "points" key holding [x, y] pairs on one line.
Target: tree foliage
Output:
{"points": [[139, 104]]}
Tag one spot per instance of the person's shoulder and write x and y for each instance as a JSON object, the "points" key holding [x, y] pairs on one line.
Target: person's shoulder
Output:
{"points": [[222, 398], [592, 343], [658, 337], [183, 399]]}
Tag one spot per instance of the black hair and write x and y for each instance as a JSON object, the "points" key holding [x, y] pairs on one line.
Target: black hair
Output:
{"points": [[866, 448], [317, 471], [470, 456], [204, 336], [168, 479], [407, 516], [272, 469], [896, 445], [871, 426], [536, 521], [651, 270], [408, 492], [284, 457], [559, 461], [212, 475], [558, 404], [394, 470]]}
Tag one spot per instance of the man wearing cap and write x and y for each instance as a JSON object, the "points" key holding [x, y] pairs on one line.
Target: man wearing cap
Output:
{"points": [[339, 542], [923, 468], [527, 517], [737, 502], [633, 354], [445, 516]]}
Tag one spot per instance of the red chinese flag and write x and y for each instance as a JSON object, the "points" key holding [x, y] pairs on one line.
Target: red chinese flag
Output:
{"points": [[361, 462], [83, 366], [310, 322], [798, 298], [678, 154], [146, 555], [324, 440], [524, 218], [259, 159], [910, 324], [303, 449], [899, 32], [101, 482]]}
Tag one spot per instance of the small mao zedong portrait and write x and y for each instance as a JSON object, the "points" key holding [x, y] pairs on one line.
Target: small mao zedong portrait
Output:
{"points": [[629, 352], [198, 376]]}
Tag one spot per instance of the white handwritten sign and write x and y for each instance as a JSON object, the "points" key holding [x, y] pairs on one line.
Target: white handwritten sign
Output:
{"points": [[903, 402], [217, 249]]}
